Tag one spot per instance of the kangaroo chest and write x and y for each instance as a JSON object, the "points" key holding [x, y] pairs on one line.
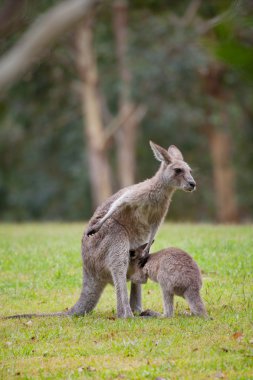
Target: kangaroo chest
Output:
{"points": [[139, 218], [144, 213]]}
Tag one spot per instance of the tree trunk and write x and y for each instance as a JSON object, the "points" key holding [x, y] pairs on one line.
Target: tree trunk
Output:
{"points": [[126, 137], [99, 167], [223, 175], [11, 14], [220, 144]]}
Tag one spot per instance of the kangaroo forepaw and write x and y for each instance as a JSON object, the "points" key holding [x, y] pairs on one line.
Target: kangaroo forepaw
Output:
{"points": [[92, 230]]}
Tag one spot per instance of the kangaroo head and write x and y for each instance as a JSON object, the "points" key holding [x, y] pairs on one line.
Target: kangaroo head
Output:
{"points": [[176, 173]]}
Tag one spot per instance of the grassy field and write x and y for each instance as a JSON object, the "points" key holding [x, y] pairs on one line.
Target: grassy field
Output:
{"points": [[40, 270]]}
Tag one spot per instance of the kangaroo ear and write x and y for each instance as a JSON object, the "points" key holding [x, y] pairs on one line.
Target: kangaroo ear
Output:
{"points": [[175, 153], [160, 153]]}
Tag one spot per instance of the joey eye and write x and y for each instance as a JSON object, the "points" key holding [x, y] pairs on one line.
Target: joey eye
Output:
{"points": [[178, 171], [132, 253]]}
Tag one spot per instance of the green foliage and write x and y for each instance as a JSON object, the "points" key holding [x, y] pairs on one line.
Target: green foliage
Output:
{"points": [[41, 271], [43, 166], [233, 43], [43, 140]]}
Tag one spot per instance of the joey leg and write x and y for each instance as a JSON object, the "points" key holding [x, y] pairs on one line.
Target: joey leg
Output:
{"points": [[195, 302], [168, 303]]}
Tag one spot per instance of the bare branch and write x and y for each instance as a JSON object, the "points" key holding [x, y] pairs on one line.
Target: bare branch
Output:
{"points": [[191, 12], [41, 34], [188, 17], [137, 112], [202, 26], [229, 14], [206, 26]]}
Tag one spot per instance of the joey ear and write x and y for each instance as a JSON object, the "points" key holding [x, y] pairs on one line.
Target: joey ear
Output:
{"points": [[160, 153], [175, 153], [141, 248]]}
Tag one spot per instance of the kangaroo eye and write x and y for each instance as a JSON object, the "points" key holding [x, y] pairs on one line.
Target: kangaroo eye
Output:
{"points": [[178, 171]]}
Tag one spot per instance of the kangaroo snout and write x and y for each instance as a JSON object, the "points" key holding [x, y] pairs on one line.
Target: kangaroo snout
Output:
{"points": [[191, 186]]}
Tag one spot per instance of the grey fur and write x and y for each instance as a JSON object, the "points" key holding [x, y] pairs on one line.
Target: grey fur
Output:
{"points": [[125, 221], [177, 274]]}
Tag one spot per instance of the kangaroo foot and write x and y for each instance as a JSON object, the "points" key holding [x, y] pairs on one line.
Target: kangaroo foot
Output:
{"points": [[126, 314]]}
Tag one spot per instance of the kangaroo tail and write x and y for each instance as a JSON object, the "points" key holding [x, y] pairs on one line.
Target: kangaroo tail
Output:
{"points": [[38, 315]]}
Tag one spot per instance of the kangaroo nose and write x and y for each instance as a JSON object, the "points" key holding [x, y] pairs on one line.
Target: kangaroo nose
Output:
{"points": [[192, 184]]}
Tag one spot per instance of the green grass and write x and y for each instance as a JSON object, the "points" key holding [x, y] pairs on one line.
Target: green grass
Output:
{"points": [[40, 270]]}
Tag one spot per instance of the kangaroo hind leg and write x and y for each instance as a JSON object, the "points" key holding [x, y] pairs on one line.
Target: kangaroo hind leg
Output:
{"points": [[92, 289], [119, 280], [118, 268]]}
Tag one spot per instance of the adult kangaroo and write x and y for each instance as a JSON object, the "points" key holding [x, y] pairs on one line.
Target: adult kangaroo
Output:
{"points": [[124, 222]]}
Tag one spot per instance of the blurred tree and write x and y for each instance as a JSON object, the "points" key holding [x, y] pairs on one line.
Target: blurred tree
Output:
{"points": [[39, 37], [124, 126], [11, 16], [99, 167], [126, 136], [43, 160], [221, 145], [232, 42], [192, 32]]}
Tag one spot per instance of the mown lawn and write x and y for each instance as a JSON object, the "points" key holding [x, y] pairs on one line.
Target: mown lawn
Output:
{"points": [[40, 270]]}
